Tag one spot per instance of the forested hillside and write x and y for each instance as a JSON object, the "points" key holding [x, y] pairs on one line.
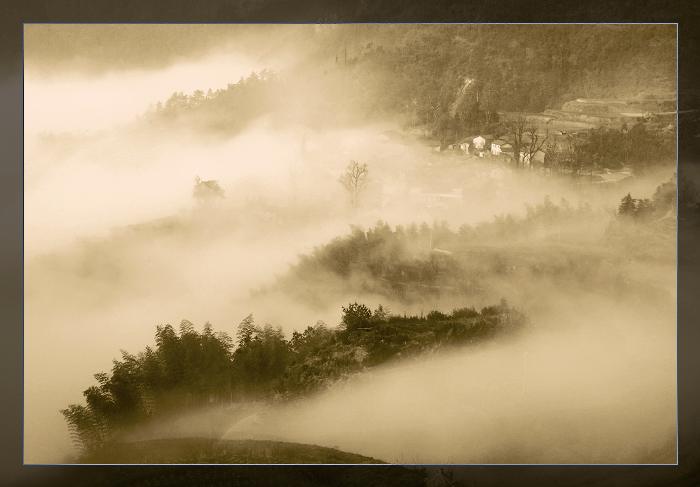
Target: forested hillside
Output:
{"points": [[190, 369], [429, 77], [423, 262], [525, 68]]}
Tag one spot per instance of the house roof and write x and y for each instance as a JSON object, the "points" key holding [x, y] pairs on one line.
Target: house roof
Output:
{"points": [[469, 139]]}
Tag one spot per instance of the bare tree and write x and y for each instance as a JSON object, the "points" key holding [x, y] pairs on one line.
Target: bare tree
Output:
{"points": [[516, 127], [535, 142], [526, 138], [354, 179]]}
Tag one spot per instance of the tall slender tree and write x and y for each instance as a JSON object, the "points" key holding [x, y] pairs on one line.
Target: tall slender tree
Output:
{"points": [[354, 180]]}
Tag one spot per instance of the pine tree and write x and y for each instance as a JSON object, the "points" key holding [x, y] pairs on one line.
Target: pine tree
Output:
{"points": [[627, 206], [246, 330]]}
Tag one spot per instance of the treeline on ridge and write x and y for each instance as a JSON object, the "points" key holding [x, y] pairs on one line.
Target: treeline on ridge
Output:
{"points": [[419, 262], [189, 369]]}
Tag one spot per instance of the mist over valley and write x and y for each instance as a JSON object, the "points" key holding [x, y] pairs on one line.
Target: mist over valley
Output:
{"points": [[344, 264]]}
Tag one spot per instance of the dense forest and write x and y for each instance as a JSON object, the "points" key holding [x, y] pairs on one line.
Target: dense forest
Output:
{"points": [[422, 72], [637, 147], [189, 369]]}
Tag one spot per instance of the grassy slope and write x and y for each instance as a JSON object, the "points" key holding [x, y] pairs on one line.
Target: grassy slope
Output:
{"points": [[205, 450]]}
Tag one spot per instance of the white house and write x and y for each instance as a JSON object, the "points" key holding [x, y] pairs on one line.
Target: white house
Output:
{"points": [[496, 147]]}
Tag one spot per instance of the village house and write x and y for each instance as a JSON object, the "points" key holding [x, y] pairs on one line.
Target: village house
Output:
{"points": [[506, 149], [479, 143], [496, 147], [501, 146], [466, 145]]}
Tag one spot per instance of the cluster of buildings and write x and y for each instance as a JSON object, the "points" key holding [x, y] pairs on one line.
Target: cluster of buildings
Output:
{"points": [[489, 146], [483, 145], [570, 123]]}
